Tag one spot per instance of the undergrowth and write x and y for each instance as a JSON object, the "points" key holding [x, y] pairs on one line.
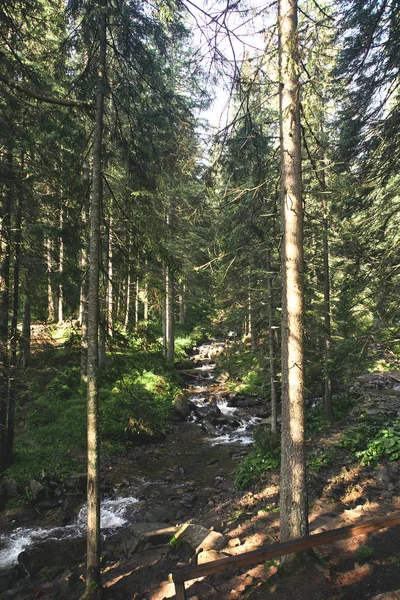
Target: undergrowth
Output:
{"points": [[135, 397]]}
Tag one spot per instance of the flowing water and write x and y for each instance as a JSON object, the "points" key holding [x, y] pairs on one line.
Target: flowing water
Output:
{"points": [[117, 512], [113, 516]]}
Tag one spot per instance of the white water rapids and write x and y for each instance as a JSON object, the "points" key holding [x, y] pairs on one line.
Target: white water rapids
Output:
{"points": [[112, 517]]}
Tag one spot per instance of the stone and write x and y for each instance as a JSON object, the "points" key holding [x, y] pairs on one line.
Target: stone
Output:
{"points": [[199, 538], [234, 542], [10, 488], [52, 552], [137, 537], [206, 556], [181, 406], [223, 378], [37, 490], [77, 482]]}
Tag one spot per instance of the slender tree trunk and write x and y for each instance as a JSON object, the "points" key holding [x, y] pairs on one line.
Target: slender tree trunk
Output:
{"points": [[50, 298], [110, 281], [137, 290], [14, 336], [293, 494], [25, 341], [146, 296], [170, 290], [327, 300], [274, 402], [182, 307], [169, 316], [146, 303], [5, 248], [83, 307], [251, 321], [60, 270], [127, 299], [93, 580]]}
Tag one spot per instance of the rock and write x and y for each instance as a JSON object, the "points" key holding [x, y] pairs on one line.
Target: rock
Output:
{"points": [[7, 577], [206, 556], [223, 378], [76, 482], [10, 488], [181, 406], [199, 538], [37, 490], [234, 542], [208, 428], [71, 506], [50, 553], [137, 537]]}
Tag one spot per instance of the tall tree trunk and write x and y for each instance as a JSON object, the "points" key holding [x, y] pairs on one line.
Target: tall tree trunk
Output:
{"points": [[25, 341], [170, 290], [93, 580], [146, 303], [60, 270], [327, 300], [83, 300], [137, 290], [14, 336], [182, 307], [293, 494], [169, 316], [271, 343], [50, 298], [110, 281], [5, 248]]}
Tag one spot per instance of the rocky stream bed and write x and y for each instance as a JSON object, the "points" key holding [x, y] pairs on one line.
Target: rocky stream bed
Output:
{"points": [[173, 503]]}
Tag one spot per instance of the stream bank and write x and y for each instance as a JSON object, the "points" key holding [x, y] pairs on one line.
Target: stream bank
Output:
{"points": [[188, 478]]}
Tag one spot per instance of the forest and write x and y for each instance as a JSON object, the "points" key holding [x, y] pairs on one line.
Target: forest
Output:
{"points": [[199, 236]]}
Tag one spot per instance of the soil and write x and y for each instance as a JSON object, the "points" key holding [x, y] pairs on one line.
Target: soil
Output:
{"points": [[193, 481]]}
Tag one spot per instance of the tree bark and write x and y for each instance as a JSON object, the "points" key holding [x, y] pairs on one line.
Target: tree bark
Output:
{"points": [[271, 344], [327, 340], [110, 306], [83, 304], [5, 249], [60, 311], [50, 298], [14, 335], [293, 494], [93, 580], [25, 341]]}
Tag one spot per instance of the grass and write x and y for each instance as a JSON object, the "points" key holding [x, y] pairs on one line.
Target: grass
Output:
{"points": [[135, 398]]}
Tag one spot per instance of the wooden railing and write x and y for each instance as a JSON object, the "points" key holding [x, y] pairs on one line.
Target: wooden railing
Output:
{"points": [[275, 550]]}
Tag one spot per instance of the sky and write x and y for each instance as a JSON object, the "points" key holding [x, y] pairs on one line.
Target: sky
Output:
{"points": [[223, 39]]}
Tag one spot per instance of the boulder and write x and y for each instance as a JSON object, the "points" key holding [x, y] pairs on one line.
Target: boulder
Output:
{"points": [[181, 406], [137, 537], [37, 490], [199, 538], [52, 552], [76, 482], [10, 488]]}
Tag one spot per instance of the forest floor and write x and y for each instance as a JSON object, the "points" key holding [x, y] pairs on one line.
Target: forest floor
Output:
{"points": [[187, 479]]}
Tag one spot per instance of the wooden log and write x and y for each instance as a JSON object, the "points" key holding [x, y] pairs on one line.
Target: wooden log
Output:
{"points": [[281, 549]]}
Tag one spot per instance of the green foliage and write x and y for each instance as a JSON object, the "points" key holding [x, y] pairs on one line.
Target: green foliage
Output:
{"points": [[265, 456], [318, 460], [342, 404], [364, 552], [358, 437], [386, 443], [135, 398], [237, 515], [248, 371]]}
